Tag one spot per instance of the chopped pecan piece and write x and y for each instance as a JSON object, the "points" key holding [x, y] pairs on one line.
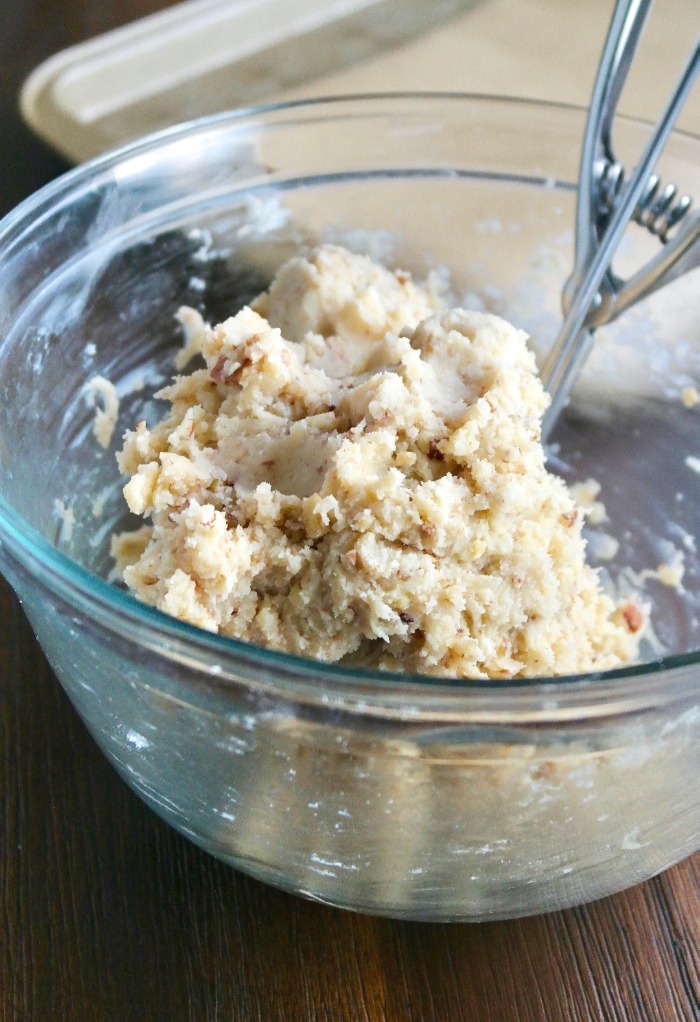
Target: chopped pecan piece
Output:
{"points": [[633, 616], [434, 452]]}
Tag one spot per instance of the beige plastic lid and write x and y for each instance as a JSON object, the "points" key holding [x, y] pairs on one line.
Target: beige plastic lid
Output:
{"points": [[205, 56]]}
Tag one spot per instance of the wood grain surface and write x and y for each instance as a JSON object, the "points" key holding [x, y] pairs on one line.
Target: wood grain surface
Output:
{"points": [[106, 913]]}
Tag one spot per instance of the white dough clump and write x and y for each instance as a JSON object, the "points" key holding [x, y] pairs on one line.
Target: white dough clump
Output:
{"points": [[67, 518], [106, 416], [690, 397], [357, 475]]}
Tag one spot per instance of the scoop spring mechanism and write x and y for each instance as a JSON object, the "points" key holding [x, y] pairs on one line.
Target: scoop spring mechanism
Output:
{"points": [[659, 210]]}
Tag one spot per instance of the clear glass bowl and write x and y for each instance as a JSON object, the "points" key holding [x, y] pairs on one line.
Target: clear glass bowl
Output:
{"points": [[414, 797]]}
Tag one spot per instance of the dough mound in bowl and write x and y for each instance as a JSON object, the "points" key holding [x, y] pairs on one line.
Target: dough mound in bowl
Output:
{"points": [[357, 474]]}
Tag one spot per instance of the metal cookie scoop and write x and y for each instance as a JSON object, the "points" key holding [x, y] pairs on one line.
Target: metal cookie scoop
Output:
{"points": [[594, 295]]}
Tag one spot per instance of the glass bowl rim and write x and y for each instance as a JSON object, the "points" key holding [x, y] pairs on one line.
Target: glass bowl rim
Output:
{"points": [[78, 584]]}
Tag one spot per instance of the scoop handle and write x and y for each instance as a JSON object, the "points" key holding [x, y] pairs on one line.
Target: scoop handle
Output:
{"points": [[573, 342]]}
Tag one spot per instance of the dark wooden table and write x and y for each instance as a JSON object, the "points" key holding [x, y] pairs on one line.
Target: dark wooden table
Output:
{"points": [[106, 913]]}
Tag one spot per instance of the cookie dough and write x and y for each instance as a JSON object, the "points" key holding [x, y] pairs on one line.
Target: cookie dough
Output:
{"points": [[107, 415], [357, 475]]}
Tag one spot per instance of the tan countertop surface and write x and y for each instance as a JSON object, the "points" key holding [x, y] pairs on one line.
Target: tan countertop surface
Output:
{"points": [[541, 49]]}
